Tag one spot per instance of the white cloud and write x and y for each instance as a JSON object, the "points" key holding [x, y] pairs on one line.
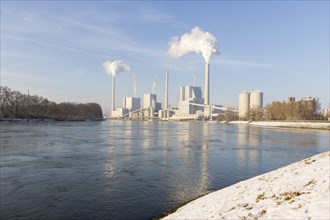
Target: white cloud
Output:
{"points": [[153, 15], [239, 63], [79, 33]]}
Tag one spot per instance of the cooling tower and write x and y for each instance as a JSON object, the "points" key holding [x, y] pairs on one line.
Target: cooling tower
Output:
{"points": [[207, 83], [244, 104], [166, 91], [256, 99], [113, 94]]}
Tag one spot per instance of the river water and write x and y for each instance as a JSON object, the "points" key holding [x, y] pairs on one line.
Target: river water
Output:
{"points": [[134, 169]]}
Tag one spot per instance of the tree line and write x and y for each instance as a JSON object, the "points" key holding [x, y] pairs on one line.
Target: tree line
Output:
{"points": [[308, 109], [292, 110], [14, 104], [289, 111]]}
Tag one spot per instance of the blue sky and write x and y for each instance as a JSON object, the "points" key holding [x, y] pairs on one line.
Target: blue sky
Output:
{"points": [[56, 48]]}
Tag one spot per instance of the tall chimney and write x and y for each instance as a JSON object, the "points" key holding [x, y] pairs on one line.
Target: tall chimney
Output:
{"points": [[113, 94], [207, 83], [166, 90]]}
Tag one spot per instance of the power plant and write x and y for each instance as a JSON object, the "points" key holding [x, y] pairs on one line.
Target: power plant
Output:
{"points": [[192, 105]]}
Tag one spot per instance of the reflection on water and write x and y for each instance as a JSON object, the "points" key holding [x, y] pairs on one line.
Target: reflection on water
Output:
{"points": [[248, 141], [204, 179], [134, 169]]}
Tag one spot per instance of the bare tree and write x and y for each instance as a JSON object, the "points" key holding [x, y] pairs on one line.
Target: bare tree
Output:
{"points": [[15, 104]]}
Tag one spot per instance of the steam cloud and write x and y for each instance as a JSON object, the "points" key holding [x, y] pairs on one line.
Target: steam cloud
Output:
{"points": [[134, 81], [196, 41], [154, 83], [115, 67], [193, 79], [154, 86]]}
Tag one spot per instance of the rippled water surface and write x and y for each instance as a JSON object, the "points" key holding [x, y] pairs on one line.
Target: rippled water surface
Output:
{"points": [[134, 169]]}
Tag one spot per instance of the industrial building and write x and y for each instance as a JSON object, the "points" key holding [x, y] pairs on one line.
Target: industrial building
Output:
{"points": [[191, 106], [119, 112], [131, 103], [189, 95], [249, 100], [150, 100], [150, 106]]}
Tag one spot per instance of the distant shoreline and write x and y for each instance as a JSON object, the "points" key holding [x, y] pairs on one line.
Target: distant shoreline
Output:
{"points": [[284, 124], [43, 120]]}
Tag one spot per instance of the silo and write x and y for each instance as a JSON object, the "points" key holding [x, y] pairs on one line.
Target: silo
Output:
{"points": [[256, 99], [244, 104]]}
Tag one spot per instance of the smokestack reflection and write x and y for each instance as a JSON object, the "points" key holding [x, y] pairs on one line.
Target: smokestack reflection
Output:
{"points": [[248, 139]]}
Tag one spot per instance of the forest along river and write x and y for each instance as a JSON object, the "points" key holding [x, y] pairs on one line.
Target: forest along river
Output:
{"points": [[134, 169]]}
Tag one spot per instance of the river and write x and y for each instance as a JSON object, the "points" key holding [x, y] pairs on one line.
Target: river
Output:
{"points": [[134, 169]]}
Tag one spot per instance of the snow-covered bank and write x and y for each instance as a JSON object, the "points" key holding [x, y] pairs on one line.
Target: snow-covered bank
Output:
{"points": [[297, 191], [312, 125]]}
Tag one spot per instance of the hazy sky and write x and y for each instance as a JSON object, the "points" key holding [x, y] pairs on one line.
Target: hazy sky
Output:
{"points": [[56, 49]]}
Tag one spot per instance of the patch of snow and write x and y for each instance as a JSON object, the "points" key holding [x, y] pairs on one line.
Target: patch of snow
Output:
{"points": [[313, 125], [296, 191]]}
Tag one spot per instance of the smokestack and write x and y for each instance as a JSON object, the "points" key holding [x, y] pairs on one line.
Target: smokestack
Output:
{"points": [[113, 68], [113, 94], [207, 84], [166, 90]]}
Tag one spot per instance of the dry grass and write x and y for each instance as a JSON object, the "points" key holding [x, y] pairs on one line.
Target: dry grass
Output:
{"points": [[311, 182], [309, 161], [260, 197]]}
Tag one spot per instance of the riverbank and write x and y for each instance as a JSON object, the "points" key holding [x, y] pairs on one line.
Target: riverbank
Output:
{"points": [[296, 191], [283, 124], [43, 120]]}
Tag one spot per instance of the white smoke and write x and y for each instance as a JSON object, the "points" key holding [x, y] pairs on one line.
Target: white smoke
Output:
{"points": [[193, 79], [115, 67], [196, 41], [154, 86], [134, 81], [154, 83]]}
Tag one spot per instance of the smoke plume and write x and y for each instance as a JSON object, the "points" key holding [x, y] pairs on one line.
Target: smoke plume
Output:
{"points": [[154, 83], [134, 81], [193, 79], [115, 67], [154, 86], [196, 41]]}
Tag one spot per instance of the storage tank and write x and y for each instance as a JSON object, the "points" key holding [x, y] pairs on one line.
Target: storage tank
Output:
{"points": [[256, 99], [244, 104]]}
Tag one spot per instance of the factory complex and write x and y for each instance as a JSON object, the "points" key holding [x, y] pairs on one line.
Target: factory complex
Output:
{"points": [[191, 106]]}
